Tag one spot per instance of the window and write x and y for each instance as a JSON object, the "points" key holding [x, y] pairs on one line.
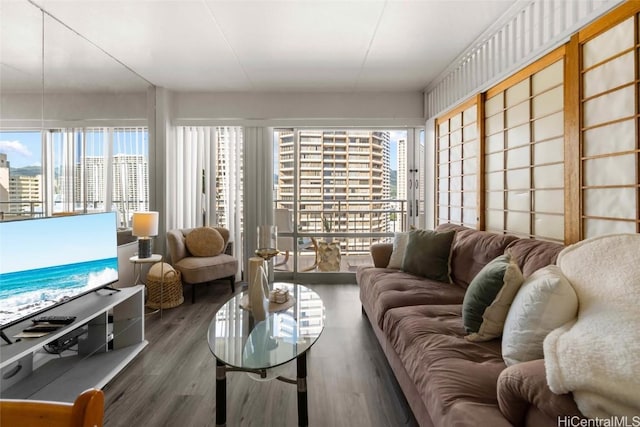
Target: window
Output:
{"points": [[355, 203], [21, 180], [75, 170]]}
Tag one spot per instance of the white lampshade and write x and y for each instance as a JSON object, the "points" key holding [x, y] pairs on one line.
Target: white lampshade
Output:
{"points": [[145, 224]]}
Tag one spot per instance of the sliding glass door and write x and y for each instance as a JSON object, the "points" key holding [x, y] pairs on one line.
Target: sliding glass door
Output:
{"points": [[338, 191]]}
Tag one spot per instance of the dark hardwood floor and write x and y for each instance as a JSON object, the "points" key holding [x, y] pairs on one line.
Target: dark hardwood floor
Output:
{"points": [[172, 382]]}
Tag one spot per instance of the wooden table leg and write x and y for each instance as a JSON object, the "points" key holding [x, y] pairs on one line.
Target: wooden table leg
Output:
{"points": [[303, 416], [221, 393]]}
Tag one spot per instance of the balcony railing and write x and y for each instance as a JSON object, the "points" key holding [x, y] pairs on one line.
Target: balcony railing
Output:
{"points": [[24, 209], [355, 224], [21, 209]]}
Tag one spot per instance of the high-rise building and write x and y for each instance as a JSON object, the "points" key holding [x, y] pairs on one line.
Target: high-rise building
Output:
{"points": [[4, 182], [401, 183], [25, 194], [94, 167], [343, 179], [130, 184], [229, 161]]}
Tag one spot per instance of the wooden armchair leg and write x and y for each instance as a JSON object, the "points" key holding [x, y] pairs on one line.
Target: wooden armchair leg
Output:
{"points": [[193, 293]]}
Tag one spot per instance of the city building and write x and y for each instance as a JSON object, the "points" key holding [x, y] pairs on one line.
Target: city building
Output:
{"points": [[4, 182], [130, 183], [402, 169], [343, 179], [25, 194]]}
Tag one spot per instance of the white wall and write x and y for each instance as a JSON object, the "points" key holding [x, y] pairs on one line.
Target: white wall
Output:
{"points": [[282, 108], [67, 109], [370, 108]]}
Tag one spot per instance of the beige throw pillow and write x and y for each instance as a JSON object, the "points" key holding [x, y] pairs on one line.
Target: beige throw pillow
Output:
{"points": [[545, 302], [399, 246], [502, 278], [204, 241]]}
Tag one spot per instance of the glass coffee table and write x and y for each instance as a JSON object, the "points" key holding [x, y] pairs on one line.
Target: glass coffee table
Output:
{"points": [[239, 343]]}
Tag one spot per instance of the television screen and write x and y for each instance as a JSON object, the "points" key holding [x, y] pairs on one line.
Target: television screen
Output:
{"points": [[48, 261]]}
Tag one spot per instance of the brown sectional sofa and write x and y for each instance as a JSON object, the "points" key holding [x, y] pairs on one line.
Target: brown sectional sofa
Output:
{"points": [[446, 379]]}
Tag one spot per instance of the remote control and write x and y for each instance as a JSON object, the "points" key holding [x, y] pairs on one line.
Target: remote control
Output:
{"points": [[42, 328], [56, 320]]}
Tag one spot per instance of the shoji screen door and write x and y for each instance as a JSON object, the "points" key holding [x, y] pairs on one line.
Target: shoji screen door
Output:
{"points": [[458, 165], [524, 152], [610, 153]]}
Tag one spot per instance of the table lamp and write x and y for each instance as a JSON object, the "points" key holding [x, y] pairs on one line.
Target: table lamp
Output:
{"points": [[145, 226]]}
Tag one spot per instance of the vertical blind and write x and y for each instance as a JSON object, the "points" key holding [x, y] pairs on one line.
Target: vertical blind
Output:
{"points": [[204, 180]]}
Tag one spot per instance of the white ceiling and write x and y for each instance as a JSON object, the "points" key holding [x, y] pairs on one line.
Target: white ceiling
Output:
{"points": [[210, 45]]}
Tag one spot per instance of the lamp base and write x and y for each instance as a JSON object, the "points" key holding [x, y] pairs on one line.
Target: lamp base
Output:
{"points": [[144, 248]]}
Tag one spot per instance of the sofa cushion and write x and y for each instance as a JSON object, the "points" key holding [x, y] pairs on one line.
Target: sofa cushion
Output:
{"points": [[204, 241], [531, 255], [488, 298], [385, 288], [399, 247], [428, 254], [545, 301], [456, 378], [472, 250], [203, 269]]}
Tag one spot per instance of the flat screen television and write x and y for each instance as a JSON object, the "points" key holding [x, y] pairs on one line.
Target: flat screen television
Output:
{"points": [[45, 262]]}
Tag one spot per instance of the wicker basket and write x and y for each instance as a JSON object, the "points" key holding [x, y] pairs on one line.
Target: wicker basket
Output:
{"points": [[168, 293]]}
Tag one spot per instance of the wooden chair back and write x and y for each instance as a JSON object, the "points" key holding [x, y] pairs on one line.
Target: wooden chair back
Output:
{"points": [[86, 411]]}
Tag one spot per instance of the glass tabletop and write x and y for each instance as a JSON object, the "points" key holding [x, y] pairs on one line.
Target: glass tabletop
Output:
{"points": [[236, 339]]}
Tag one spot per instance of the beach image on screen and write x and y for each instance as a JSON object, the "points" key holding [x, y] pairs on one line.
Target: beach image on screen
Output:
{"points": [[48, 261]]}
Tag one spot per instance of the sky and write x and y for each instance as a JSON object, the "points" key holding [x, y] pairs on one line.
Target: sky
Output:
{"points": [[22, 148], [45, 242]]}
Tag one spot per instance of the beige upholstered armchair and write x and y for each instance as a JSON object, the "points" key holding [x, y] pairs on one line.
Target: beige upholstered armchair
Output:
{"points": [[202, 257]]}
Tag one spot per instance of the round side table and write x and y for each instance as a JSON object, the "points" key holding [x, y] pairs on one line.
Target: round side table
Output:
{"points": [[137, 261]]}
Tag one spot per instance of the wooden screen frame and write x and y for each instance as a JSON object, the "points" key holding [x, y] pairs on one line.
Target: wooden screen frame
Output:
{"points": [[558, 54], [478, 102], [574, 125], [571, 52]]}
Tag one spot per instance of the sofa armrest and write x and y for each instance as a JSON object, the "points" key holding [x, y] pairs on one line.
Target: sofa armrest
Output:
{"points": [[381, 253], [524, 385]]}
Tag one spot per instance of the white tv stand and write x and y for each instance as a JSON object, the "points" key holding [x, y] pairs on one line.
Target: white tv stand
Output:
{"points": [[103, 351]]}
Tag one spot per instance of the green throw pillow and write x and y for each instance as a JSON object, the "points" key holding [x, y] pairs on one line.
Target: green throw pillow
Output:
{"points": [[493, 289], [428, 254]]}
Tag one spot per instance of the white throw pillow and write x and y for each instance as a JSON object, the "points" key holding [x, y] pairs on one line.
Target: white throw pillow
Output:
{"points": [[545, 302], [399, 246]]}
